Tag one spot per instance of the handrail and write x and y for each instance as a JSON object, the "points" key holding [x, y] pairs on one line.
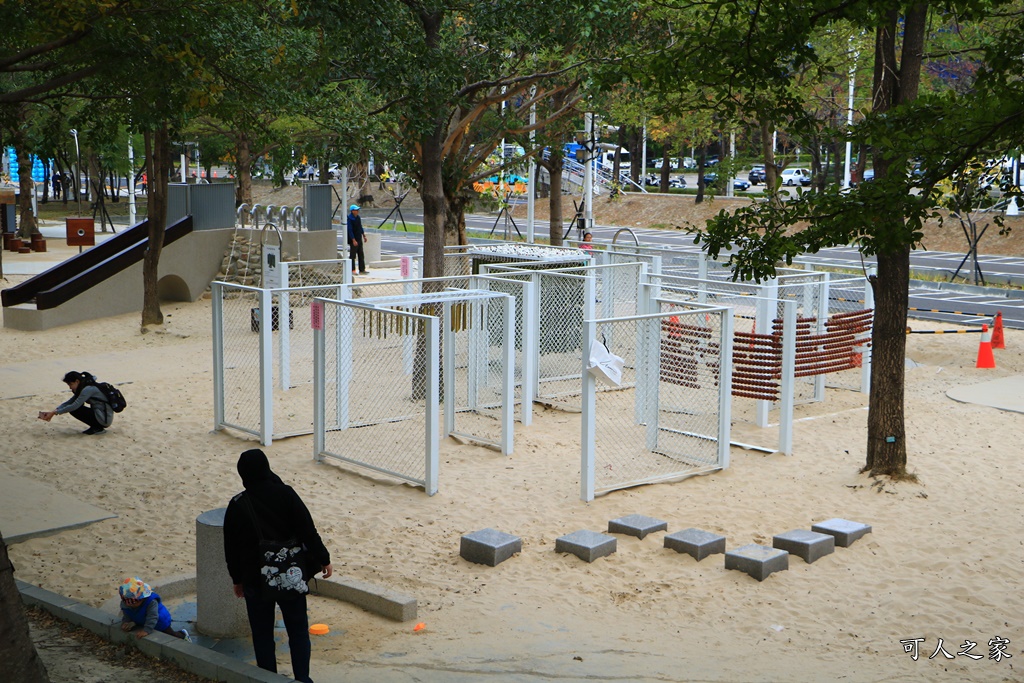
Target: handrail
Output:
{"points": [[631, 233], [254, 214], [239, 216]]}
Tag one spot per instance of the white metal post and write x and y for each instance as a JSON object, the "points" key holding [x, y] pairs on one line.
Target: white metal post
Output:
{"points": [[767, 305], [131, 181], [822, 315], [528, 372], [217, 299], [849, 118], [266, 369], [508, 377], [866, 350], [531, 185], [588, 174], [432, 438], [319, 383], [448, 349], [587, 422], [788, 377], [725, 388]]}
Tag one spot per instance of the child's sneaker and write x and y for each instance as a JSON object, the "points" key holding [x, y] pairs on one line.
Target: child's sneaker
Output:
{"points": [[188, 638]]}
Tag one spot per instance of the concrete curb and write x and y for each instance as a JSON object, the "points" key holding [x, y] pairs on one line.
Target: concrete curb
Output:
{"points": [[189, 657]]}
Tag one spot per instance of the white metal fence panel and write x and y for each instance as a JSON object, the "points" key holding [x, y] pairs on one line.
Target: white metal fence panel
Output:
{"points": [[670, 417], [371, 410], [240, 354], [520, 289]]}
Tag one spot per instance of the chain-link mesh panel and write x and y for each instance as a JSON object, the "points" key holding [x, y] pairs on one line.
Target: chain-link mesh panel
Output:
{"points": [[849, 308], [475, 329], [241, 388], [667, 422], [292, 354], [375, 389], [756, 352], [316, 273], [517, 289]]}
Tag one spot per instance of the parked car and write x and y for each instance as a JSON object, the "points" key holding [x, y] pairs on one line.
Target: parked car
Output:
{"points": [[710, 177], [740, 184], [673, 163], [757, 175], [796, 176], [689, 163]]}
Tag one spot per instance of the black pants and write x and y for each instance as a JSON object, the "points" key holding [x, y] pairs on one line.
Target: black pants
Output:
{"points": [[85, 414], [357, 252], [296, 623]]}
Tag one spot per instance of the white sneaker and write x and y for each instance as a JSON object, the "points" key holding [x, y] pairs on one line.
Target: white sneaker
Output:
{"points": [[188, 638]]}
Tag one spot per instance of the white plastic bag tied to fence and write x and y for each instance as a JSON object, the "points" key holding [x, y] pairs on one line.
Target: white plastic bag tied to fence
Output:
{"points": [[605, 365]]}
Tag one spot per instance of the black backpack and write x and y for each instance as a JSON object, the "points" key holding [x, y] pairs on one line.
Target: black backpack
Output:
{"points": [[113, 395]]}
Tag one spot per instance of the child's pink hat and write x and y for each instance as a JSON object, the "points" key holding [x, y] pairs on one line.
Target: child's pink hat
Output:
{"points": [[135, 589]]}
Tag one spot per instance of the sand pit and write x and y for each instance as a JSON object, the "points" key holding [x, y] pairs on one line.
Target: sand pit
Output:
{"points": [[943, 560]]}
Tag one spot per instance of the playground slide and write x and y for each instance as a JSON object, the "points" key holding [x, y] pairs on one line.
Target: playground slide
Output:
{"points": [[67, 280]]}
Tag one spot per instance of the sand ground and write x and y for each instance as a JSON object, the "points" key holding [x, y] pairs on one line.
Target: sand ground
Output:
{"points": [[943, 562]]}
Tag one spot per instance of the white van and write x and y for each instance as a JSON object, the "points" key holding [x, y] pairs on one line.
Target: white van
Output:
{"points": [[607, 158], [796, 176]]}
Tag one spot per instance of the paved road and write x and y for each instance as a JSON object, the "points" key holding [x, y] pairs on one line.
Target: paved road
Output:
{"points": [[975, 304]]}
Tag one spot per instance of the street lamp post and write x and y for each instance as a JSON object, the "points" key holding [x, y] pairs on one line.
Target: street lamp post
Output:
{"points": [[78, 171]]}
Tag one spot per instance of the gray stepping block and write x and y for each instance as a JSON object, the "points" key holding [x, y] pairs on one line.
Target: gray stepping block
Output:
{"points": [[695, 542], [636, 525], [586, 545], [810, 545], [843, 530], [489, 546], [757, 560]]}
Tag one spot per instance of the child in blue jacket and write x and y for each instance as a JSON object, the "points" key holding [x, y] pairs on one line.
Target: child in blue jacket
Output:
{"points": [[143, 612]]}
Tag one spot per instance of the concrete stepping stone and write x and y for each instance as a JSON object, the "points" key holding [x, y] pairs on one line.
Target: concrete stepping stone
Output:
{"points": [[843, 530], [636, 525], [489, 546], [695, 542], [810, 545], [757, 560], [586, 545]]}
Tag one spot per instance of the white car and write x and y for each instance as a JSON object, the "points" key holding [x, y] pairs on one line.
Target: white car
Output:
{"points": [[796, 176]]}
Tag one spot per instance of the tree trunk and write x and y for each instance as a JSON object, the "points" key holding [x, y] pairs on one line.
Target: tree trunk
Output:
{"points": [[243, 159], [666, 168], [701, 158], [434, 204], [771, 171], [21, 662], [158, 166], [26, 219], [887, 445], [556, 166], [455, 220]]}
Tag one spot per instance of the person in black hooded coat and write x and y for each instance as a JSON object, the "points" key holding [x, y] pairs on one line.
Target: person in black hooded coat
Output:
{"points": [[282, 515]]}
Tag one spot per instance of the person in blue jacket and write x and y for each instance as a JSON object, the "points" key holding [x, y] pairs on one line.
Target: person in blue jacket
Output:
{"points": [[355, 239], [143, 612]]}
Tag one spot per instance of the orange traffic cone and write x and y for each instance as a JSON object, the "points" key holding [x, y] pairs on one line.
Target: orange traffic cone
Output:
{"points": [[985, 357], [997, 332]]}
